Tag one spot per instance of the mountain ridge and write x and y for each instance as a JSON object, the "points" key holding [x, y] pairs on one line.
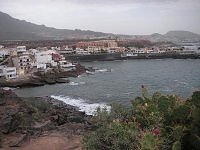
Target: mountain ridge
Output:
{"points": [[10, 28], [15, 29]]}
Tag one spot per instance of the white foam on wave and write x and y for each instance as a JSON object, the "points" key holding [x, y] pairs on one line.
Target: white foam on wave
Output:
{"points": [[76, 83], [103, 70], [167, 89], [89, 109], [73, 83]]}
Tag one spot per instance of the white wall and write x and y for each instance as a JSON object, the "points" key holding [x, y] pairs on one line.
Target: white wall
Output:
{"points": [[42, 58], [9, 72]]}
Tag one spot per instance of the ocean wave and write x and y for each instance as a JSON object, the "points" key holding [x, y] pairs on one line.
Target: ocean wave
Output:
{"points": [[184, 83], [128, 93], [73, 83], [167, 89], [89, 109], [103, 70], [76, 83], [181, 82]]}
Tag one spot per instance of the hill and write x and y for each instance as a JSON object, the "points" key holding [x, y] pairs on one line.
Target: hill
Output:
{"points": [[15, 29]]}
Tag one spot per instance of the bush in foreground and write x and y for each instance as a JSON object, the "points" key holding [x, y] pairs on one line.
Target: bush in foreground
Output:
{"points": [[151, 123]]}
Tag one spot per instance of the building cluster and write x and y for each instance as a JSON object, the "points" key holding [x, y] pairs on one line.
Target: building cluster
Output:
{"points": [[95, 47], [111, 46], [164, 49], [20, 62]]}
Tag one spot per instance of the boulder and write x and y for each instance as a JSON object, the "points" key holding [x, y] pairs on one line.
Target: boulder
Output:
{"points": [[17, 142]]}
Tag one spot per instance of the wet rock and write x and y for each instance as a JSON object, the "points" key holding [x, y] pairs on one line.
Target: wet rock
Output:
{"points": [[49, 81], [60, 80]]}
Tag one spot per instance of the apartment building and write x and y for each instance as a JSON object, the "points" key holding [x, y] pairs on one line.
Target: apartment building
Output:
{"points": [[8, 72]]}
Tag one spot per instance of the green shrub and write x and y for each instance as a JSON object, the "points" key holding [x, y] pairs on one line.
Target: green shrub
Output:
{"points": [[196, 98], [151, 123], [39, 104], [114, 136], [149, 142], [176, 145], [181, 113]]}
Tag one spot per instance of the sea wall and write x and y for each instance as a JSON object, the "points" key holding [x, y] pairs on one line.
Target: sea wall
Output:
{"points": [[117, 56]]}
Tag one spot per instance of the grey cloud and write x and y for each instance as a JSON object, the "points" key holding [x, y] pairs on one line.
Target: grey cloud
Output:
{"points": [[117, 16], [88, 1]]}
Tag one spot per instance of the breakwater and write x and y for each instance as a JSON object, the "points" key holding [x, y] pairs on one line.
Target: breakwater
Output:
{"points": [[118, 56]]}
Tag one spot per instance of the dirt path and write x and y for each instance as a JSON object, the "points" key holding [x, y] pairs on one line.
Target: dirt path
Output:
{"points": [[53, 141]]}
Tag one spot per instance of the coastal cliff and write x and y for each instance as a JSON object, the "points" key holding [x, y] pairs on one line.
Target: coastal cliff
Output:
{"points": [[24, 122]]}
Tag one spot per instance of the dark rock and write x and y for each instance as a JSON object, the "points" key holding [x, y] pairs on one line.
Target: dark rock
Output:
{"points": [[54, 118], [60, 80], [62, 118], [10, 120], [75, 119], [49, 81], [5, 124], [18, 141]]}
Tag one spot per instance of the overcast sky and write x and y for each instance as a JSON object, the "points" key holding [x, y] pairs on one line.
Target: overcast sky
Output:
{"points": [[113, 16]]}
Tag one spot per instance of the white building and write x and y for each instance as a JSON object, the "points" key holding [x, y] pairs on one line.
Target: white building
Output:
{"points": [[33, 51], [139, 51], [112, 50], [55, 48], [1, 72], [23, 63], [81, 51], [3, 53], [66, 50], [93, 49], [188, 52], [65, 65], [150, 51], [8, 72], [45, 57], [1, 46], [190, 45], [42, 66], [21, 49]]}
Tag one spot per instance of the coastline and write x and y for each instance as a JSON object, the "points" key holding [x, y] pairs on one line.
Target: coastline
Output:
{"points": [[40, 79], [25, 120], [117, 56]]}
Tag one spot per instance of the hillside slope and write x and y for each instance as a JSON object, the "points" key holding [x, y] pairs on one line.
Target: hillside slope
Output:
{"points": [[15, 29]]}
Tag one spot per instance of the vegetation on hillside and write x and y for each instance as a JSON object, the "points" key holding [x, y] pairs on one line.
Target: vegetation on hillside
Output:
{"points": [[150, 123]]}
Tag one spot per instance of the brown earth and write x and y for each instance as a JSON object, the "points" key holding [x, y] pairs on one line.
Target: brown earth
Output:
{"points": [[39, 124], [53, 141]]}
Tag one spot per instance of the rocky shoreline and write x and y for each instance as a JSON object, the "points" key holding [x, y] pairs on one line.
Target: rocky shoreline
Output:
{"points": [[40, 78], [24, 119]]}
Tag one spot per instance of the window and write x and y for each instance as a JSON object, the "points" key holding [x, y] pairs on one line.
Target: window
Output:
{"points": [[9, 71]]}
